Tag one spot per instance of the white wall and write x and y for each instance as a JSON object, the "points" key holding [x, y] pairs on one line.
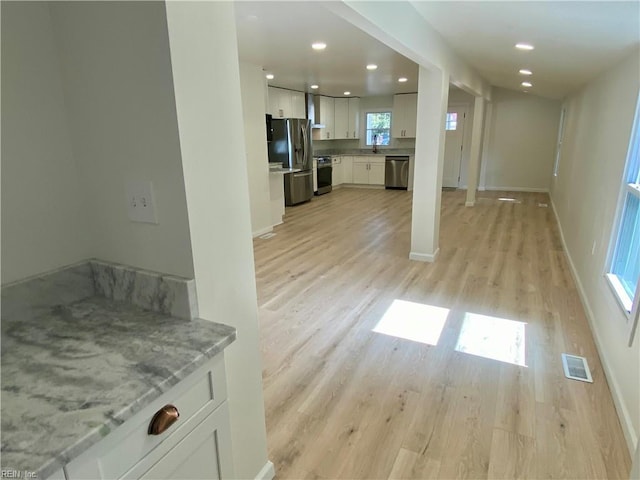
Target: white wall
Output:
{"points": [[460, 97], [520, 141], [253, 88], [42, 207], [208, 99], [585, 197], [119, 95]]}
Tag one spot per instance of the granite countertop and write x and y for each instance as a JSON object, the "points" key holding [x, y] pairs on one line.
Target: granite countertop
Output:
{"points": [[278, 169], [75, 369], [368, 151]]}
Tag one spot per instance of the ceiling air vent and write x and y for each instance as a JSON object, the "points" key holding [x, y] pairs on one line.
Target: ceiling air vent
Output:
{"points": [[576, 368]]}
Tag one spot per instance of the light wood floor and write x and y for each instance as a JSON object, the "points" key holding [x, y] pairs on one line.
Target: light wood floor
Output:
{"points": [[343, 401]]}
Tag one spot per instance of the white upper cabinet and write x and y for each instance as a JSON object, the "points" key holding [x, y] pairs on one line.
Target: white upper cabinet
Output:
{"points": [[341, 118], [286, 103], [298, 105], [347, 116], [354, 118], [325, 107], [405, 111]]}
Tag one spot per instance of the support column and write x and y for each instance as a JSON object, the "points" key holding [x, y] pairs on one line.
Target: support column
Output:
{"points": [[433, 95], [206, 82], [476, 148]]}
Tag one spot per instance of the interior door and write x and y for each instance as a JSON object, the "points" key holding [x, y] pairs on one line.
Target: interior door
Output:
{"points": [[454, 135]]}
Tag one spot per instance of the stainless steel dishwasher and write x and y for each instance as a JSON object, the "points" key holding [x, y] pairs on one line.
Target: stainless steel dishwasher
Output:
{"points": [[396, 171]]}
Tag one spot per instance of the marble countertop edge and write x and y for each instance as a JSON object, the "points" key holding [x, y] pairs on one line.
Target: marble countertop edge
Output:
{"points": [[98, 433]]}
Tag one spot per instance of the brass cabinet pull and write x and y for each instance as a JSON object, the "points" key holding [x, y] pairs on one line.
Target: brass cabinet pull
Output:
{"points": [[163, 419]]}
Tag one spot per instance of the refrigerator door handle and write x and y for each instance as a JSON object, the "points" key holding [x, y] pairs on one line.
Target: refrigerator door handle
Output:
{"points": [[298, 175], [304, 142]]}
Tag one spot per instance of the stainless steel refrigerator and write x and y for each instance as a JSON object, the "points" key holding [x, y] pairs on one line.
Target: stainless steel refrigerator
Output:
{"points": [[291, 147]]}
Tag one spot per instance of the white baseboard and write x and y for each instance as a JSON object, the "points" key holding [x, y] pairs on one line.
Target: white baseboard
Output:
{"points": [[262, 231], [424, 257], [361, 185], [267, 472], [469, 204], [516, 189], [630, 434]]}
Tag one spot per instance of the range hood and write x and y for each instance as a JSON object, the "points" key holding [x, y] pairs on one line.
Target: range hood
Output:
{"points": [[313, 110]]}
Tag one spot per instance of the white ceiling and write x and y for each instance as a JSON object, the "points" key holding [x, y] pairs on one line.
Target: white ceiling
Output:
{"points": [[574, 42], [278, 36]]}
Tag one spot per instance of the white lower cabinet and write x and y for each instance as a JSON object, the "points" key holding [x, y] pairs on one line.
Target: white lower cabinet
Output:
{"points": [[376, 174], [337, 173], [360, 172], [196, 446], [368, 170], [196, 456], [347, 169]]}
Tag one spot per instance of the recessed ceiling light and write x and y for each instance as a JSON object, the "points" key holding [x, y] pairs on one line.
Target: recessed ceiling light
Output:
{"points": [[402, 79], [527, 84], [269, 76], [347, 93], [524, 71], [372, 66], [314, 86], [524, 46], [319, 46]]}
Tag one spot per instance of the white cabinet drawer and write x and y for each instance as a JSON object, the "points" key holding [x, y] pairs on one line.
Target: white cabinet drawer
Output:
{"points": [[195, 398], [204, 453]]}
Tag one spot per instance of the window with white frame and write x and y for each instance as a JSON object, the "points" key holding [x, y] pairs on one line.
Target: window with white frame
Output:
{"points": [[624, 269], [451, 122], [378, 128]]}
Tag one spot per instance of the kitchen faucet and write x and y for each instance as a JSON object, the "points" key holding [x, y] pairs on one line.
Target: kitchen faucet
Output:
{"points": [[375, 144]]}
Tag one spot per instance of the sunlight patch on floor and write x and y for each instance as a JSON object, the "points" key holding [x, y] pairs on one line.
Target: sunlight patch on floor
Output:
{"points": [[413, 321], [492, 337]]}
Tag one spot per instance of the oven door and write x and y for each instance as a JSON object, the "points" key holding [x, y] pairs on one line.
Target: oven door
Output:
{"points": [[324, 178]]}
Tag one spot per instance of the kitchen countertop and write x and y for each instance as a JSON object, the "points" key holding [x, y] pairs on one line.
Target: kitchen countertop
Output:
{"points": [[278, 169], [355, 152], [74, 367]]}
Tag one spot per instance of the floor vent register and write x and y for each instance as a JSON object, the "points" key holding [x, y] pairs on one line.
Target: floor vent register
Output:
{"points": [[576, 368]]}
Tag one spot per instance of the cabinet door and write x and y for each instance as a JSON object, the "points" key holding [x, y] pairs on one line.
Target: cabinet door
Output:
{"points": [[397, 116], [203, 454], [327, 108], [273, 102], [353, 126], [403, 120], [298, 105], [337, 171], [284, 101], [376, 174], [411, 112], [360, 172], [347, 169], [341, 112]]}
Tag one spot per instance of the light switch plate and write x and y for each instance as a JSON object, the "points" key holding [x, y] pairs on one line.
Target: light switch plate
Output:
{"points": [[141, 205]]}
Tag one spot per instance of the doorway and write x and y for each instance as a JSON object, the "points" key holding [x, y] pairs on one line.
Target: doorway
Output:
{"points": [[454, 136]]}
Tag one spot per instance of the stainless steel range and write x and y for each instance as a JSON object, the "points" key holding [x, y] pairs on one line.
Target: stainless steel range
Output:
{"points": [[324, 173]]}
